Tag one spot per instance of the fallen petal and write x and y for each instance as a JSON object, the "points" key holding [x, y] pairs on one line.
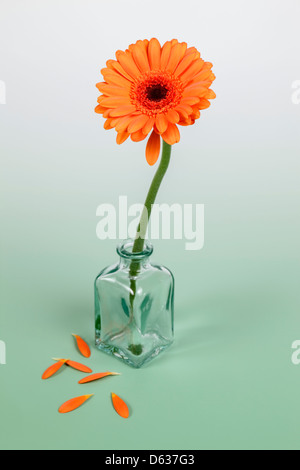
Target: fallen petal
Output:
{"points": [[120, 406], [53, 369], [73, 404], [82, 346], [93, 377], [76, 365]]}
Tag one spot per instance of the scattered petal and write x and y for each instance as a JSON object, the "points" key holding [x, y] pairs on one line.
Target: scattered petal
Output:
{"points": [[76, 365], [92, 378], [53, 369], [120, 406], [82, 346], [73, 404]]}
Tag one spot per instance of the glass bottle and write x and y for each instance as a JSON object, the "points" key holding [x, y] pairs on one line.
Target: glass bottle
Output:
{"points": [[134, 307]]}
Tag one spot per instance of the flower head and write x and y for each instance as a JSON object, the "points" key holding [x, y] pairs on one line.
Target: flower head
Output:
{"points": [[151, 88]]}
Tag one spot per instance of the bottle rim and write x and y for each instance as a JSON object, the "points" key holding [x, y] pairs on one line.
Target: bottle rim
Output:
{"points": [[125, 250]]}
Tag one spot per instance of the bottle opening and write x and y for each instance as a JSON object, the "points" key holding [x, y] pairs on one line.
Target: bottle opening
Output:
{"points": [[126, 247]]}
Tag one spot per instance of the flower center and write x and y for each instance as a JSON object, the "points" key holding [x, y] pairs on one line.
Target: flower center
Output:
{"points": [[156, 92]]}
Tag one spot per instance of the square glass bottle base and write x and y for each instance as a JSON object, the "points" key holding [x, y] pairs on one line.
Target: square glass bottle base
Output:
{"points": [[135, 354]]}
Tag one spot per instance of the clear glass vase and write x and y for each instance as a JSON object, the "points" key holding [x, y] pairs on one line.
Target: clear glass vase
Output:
{"points": [[134, 307]]}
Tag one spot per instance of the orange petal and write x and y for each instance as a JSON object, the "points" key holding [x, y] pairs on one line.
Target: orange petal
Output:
{"points": [[106, 113], [123, 122], [113, 77], [185, 63], [82, 346], [205, 74], [192, 50], [107, 124], [137, 123], [138, 136], [154, 53], [109, 90], [115, 65], [161, 123], [122, 137], [146, 44], [78, 366], [73, 404], [92, 378], [75, 365], [185, 107], [120, 406], [172, 116], [148, 126], [153, 148], [182, 111], [99, 109], [128, 64], [204, 104], [191, 71], [195, 115], [186, 122], [194, 81], [53, 369], [190, 100], [176, 55], [210, 95], [100, 99], [208, 65], [165, 54], [122, 110], [114, 121], [140, 57], [194, 90], [115, 101], [172, 135]]}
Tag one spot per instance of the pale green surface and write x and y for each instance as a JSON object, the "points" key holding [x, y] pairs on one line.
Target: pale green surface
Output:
{"points": [[228, 381]]}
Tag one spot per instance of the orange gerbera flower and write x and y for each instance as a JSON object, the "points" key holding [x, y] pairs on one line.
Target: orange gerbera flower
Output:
{"points": [[154, 88]]}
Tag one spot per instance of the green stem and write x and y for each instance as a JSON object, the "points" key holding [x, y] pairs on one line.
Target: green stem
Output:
{"points": [[145, 217], [158, 177]]}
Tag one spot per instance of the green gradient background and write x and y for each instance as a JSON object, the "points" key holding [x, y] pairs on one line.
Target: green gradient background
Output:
{"points": [[228, 381]]}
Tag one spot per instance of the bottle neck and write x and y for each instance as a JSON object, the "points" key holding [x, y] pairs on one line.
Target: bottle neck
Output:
{"points": [[131, 260]]}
